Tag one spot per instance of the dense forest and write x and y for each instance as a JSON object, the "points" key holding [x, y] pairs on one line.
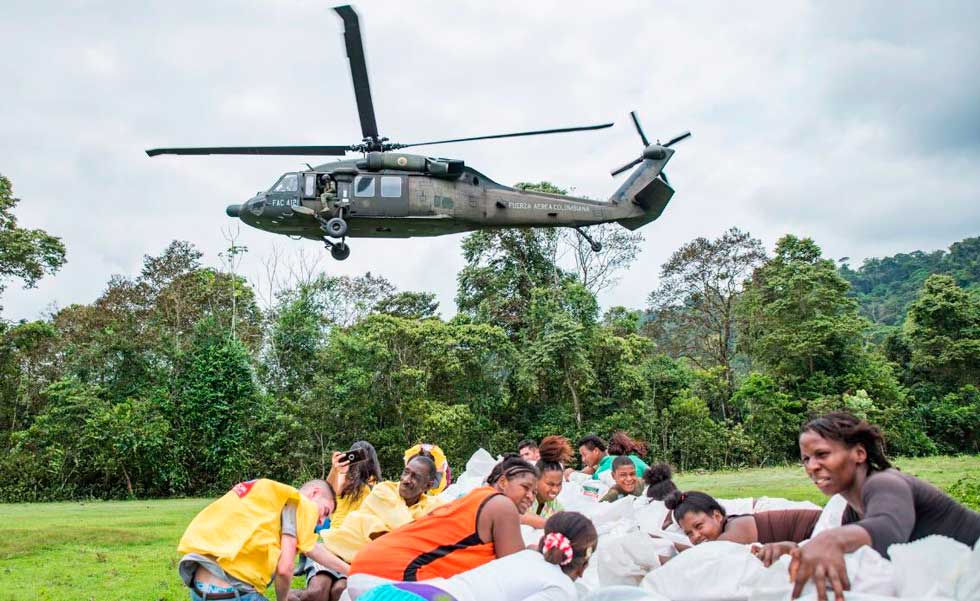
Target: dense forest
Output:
{"points": [[184, 378]]}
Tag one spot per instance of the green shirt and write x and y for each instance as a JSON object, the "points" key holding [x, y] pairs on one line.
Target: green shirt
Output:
{"points": [[606, 464]]}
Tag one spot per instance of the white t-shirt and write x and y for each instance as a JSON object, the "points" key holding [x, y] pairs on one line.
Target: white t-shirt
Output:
{"points": [[522, 576]]}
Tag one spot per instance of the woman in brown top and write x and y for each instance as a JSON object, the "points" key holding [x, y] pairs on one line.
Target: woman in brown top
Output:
{"points": [[845, 455], [703, 519]]}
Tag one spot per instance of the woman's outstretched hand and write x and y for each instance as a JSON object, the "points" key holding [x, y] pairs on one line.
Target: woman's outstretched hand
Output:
{"points": [[820, 560]]}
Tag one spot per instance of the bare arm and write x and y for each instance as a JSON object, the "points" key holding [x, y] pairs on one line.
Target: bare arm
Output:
{"points": [[534, 521], [284, 569], [741, 530], [338, 471], [326, 558], [501, 524]]}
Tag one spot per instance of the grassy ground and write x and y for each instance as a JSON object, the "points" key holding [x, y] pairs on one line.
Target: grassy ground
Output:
{"points": [[126, 550]]}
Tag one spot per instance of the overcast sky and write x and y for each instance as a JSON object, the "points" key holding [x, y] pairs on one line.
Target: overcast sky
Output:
{"points": [[856, 125]]}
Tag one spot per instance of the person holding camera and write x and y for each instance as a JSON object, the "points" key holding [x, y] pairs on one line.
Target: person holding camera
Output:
{"points": [[388, 506], [352, 474]]}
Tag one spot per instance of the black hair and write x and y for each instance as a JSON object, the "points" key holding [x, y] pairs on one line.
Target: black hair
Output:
{"points": [[556, 452], [620, 461], [511, 465], [848, 429], [592, 442], [620, 443], [526, 443], [580, 532], [429, 464], [659, 482], [361, 474], [682, 503]]}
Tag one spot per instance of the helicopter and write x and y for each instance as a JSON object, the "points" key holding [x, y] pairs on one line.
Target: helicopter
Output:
{"points": [[386, 193]]}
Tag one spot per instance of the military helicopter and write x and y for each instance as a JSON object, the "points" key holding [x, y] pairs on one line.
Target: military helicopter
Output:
{"points": [[389, 194]]}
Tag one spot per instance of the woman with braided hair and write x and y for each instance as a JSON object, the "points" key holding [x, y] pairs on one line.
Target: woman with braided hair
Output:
{"points": [[556, 452], [473, 530], [545, 574], [845, 455]]}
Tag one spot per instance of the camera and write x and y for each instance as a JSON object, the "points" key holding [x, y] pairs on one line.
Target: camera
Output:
{"points": [[356, 455]]}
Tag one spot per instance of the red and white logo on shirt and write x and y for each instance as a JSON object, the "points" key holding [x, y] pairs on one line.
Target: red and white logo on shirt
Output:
{"points": [[241, 489]]}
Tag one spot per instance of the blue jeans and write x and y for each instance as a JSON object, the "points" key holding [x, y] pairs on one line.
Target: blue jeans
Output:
{"points": [[202, 591]]}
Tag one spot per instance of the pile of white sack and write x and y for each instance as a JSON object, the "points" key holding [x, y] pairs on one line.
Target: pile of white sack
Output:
{"points": [[626, 565]]}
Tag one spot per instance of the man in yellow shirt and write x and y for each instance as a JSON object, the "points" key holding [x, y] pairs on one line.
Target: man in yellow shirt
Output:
{"points": [[246, 540], [389, 505]]}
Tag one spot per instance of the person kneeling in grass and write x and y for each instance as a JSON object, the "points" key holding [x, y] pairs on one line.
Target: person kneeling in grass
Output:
{"points": [[627, 484], [388, 506], [249, 537], [845, 455]]}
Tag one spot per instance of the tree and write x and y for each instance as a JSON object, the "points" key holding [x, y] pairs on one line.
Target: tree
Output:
{"points": [[943, 334], [414, 305], [773, 417], [25, 254], [600, 270], [694, 306], [798, 320]]}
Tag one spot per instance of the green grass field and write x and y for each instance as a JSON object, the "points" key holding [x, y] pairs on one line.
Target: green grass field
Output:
{"points": [[126, 550]]}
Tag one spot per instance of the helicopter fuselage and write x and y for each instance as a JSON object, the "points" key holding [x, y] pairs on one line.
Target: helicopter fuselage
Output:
{"points": [[402, 203]]}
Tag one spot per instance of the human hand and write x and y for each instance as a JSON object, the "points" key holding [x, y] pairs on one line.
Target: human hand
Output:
{"points": [[821, 559], [568, 474], [770, 552], [339, 462]]}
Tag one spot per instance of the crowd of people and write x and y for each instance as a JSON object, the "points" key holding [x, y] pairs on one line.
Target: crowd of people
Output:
{"points": [[357, 536]]}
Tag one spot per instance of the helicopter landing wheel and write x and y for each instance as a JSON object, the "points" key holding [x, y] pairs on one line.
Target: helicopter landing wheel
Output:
{"points": [[335, 227], [340, 251], [596, 247]]}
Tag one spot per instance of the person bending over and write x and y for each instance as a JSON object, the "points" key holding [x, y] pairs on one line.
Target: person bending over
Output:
{"points": [[627, 484], [249, 537], [592, 450], [545, 574], [389, 505], [659, 482], [555, 452], [845, 455], [703, 519], [461, 535], [620, 444]]}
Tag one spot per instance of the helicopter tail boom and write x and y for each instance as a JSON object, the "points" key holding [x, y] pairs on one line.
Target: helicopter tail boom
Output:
{"points": [[645, 189]]}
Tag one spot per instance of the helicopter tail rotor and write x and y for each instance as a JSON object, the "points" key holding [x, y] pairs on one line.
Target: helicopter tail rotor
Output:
{"points": [[654, 152]]}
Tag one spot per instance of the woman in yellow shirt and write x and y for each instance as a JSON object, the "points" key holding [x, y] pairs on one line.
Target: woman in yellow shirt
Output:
{"points": [[352, 481]]}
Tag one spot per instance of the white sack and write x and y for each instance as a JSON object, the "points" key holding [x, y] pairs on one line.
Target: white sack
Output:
{"points": [[928, 567], [779, 504], [712, 571], [627, 558], [832, 514], [623, 593]]}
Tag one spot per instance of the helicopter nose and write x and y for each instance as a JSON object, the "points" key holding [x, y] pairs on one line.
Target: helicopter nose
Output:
{"points": [[233, 210]]}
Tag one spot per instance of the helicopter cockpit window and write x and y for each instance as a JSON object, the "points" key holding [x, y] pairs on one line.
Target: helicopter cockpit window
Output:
{"points": [[391, 187], [364, 186], [287, 183]]}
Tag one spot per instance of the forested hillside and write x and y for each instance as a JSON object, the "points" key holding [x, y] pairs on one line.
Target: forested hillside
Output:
{"points": [[185, 378], [886, 287]]}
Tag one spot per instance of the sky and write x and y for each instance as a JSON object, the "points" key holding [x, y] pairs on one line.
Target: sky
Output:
{"points": [[855, 124]]}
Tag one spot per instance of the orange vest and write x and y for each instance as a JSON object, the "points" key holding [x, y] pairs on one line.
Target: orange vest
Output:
{"points": [[439, 545]]}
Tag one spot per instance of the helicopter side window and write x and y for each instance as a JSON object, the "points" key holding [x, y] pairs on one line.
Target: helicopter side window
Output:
{"points": [[364, 186], [287, 183], [391, 187], [309, 185]]}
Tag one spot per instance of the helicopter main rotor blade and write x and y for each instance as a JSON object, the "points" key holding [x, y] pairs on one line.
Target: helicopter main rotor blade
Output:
{"points": [[358, 71], [511, 135], [259, 150], [639, 130], [678, 138], [627, 166]]}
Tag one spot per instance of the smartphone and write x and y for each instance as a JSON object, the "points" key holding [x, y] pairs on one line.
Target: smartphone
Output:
{"points": [[356, 455]]}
